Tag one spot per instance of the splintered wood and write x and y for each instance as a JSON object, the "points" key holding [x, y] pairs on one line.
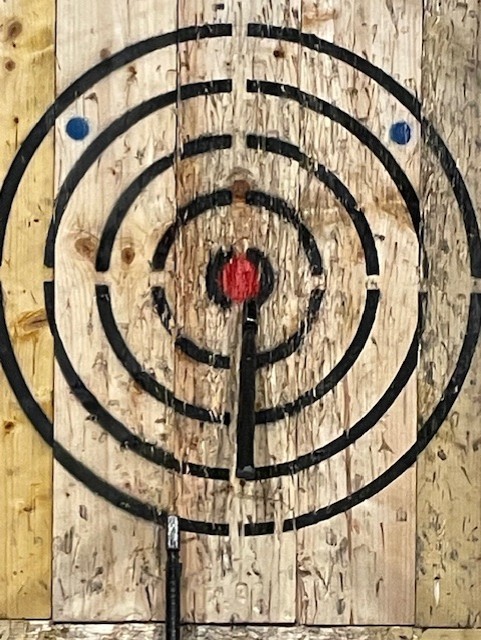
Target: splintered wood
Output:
{"points": [[449, 473], [37, 630], [107, 564], [218, 227]]}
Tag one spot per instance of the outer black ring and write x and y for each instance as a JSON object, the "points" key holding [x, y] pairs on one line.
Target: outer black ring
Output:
{"points": [[37, 416]]}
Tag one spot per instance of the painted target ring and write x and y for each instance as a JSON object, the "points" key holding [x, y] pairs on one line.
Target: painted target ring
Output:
{"points": [[269, 145]]}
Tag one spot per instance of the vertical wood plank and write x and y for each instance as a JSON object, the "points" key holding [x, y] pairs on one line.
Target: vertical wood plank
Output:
{"points": [[242, 578], [358, 567], [108, 564], [449, 473], [27, 81]]}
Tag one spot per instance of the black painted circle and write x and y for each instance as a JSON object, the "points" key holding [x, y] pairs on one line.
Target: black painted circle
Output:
{"points": [[430, 427], [224, 197], [285, 211]]}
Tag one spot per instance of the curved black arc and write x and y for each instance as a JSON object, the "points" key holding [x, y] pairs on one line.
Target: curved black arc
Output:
{"points": [[82, 84], [224, 197], [311, 41], [412, 104], [220, 198], [286, 212], [108, 135], [292, 344], [43, 425], [332, 182], [145, 380], [439, 148], [312, 396], [426, 434], [106, 420], [186, 345], [220, 361], [362, 426], [192, 148], [357, 129]]}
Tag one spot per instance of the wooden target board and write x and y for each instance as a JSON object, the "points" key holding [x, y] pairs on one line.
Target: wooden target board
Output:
{"points": [[240, 264]]}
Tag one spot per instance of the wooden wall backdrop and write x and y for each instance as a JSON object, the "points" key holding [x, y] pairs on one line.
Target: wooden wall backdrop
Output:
{"points": [[140, 144]]}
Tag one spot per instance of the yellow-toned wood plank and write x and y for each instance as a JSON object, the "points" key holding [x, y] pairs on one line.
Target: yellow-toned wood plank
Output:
{"points": [[449, 473], [27, 81], [108, 565], [358, 567]]}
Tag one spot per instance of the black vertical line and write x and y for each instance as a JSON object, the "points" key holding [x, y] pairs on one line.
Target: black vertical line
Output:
{"points": [[173, 579], [246, 419]]}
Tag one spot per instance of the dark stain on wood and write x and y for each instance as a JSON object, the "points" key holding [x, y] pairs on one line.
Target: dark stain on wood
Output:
{"points": [[30, 322], [86, 247], [8, 426], [128, 255], [14, 29], [240, 188]]}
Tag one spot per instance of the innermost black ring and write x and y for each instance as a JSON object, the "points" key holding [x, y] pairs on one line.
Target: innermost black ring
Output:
{"points": [[224, 197]]}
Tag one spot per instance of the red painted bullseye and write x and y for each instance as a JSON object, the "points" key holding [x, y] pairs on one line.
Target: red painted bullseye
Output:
{"points": [[239, 279]]}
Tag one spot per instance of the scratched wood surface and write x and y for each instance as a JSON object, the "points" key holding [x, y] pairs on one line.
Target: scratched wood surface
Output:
{"points": [[107, 564], [26, 51], [37, 630], [449, 473], [360, 566], [228, 579]]}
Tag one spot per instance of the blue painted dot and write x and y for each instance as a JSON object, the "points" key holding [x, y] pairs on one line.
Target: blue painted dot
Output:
{"points": [[78, 128], [400, 133]]}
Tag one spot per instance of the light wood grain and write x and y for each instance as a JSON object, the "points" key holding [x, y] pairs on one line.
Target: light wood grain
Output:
{"points": [[38, 630], [44, 631], [26, 51], [108, 565], [240, 578], [358, 567], [449, 473]]}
